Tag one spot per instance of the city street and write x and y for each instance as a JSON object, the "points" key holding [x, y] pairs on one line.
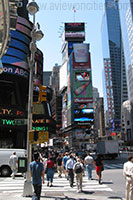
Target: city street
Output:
{"points": [[113, 185]]}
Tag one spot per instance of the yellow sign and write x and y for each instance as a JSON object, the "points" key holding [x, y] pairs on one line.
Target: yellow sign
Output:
{"points": [[31, 136], [43, 136]]}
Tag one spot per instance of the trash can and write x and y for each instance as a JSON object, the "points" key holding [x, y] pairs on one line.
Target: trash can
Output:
{"points": [[22, 164]]}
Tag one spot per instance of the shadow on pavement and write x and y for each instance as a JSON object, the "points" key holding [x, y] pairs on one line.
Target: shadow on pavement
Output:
{"points": [[115, 198], [68, 198], [109, 183]]}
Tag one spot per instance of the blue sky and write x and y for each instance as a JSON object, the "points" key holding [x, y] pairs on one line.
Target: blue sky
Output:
{"points": [[52, 15]]}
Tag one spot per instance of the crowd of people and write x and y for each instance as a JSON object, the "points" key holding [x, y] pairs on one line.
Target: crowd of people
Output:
{"points": [[71, 165]]}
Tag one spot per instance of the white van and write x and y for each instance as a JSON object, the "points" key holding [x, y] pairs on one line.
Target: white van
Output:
{"points": [[5, 154]]}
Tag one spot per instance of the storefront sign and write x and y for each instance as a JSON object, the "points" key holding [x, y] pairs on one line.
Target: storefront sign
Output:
{"points": [[11, 112]]}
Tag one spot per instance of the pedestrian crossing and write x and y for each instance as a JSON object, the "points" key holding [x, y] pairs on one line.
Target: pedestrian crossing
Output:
{"points": [[113, 166], [9, 185]]}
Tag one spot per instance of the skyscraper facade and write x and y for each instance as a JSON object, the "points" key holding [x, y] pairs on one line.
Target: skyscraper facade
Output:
{"points": [[115, 84], [126, 19]]}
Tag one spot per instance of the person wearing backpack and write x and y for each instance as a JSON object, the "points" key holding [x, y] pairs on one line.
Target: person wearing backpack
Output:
{"points": [[78, 169]]}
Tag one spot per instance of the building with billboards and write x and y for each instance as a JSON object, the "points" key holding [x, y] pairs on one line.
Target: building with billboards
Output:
{"points": [[76, 87], [14, 81]]}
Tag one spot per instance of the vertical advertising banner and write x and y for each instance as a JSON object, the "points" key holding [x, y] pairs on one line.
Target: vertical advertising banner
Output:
{"points": [[81, 52], [82, 87]]}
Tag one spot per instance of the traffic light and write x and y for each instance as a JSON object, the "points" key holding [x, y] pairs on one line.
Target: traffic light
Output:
{"points": [[42, 93]]}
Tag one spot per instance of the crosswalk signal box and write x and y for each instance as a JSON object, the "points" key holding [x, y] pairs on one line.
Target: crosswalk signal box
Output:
{"points": [[22, 164]]}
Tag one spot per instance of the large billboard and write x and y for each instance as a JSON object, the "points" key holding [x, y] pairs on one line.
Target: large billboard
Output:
{"points": [[82, 87], [74, 32], [81, 51], [82, 65], [84, 115]]}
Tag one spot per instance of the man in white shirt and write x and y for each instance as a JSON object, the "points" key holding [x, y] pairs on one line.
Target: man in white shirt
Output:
{"points": [[13, 164], [128, 173], [89, 162], [69, 168]]}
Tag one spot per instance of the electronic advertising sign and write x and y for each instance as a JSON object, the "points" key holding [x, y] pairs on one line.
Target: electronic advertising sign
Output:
{"points": [[14, 61], [74, 32], [20, 36], [81, 56], [8, 69], [82, 87], [81, 51], [84, 115]]}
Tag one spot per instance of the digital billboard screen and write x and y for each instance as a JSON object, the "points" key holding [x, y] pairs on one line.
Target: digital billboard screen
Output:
{"points": [[74, 32], [74, 27], [84, 115], [81, 51], [82, 76]]}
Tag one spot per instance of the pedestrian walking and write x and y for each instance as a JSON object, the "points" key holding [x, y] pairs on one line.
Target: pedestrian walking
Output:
{"points": [[64, 160], [37, 174], [89, 162], [13, 162], [128, 173], [78, 171], [59, 165], [99, 167], [69, 167], [50, 171]]}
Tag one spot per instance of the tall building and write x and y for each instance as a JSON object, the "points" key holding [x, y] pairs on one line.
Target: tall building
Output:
{"points": [[76, 87], [46, 77], [126, 18], [56, 102], [115, 83], [54, 78]]}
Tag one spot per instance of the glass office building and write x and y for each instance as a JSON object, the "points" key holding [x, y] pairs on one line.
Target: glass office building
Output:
{"points": [[126, 19], [115, 84]]}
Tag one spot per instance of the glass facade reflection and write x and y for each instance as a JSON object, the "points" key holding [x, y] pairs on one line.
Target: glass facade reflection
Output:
{"points": [[126, 18], [114, 64]]}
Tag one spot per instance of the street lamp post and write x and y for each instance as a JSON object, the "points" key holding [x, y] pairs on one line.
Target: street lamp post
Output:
{"points": [[36, 35]]}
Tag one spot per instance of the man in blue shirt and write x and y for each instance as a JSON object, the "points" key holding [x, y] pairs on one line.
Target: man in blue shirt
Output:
{"points": [[37, 174]]}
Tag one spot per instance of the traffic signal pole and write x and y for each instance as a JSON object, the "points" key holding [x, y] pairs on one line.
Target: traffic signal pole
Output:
{"points": [[27, 185]]}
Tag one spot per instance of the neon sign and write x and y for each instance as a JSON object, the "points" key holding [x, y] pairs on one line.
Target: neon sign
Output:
{"points": [[11, 112], [43, 128]]}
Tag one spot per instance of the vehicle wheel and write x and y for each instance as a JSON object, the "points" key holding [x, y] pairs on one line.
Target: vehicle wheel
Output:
{"points": [[5, 171]]}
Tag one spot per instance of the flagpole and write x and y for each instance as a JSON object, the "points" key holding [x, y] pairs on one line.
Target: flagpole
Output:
{"points": [[74, 11]]}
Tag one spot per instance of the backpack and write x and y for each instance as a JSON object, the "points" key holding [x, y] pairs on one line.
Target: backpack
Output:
{"points": [[78, 168]]}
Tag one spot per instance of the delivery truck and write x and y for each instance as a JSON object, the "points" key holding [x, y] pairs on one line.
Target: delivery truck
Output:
{"points": [[5, 154], [108, 149]]}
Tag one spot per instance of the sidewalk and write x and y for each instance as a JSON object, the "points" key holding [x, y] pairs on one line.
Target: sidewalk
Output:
{"points": [[63, 196]]}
